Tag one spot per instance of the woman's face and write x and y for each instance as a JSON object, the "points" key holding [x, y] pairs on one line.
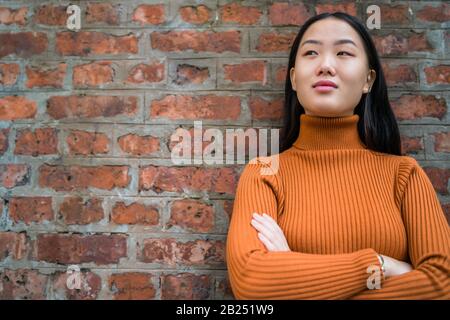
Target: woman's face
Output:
{"points": [[344, 63]]}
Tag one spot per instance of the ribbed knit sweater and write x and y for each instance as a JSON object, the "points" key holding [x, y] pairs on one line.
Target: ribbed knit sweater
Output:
{"points": [[338, 204]]}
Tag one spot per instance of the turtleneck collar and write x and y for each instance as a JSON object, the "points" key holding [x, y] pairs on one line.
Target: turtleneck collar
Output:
{"points": [[321, 133]]}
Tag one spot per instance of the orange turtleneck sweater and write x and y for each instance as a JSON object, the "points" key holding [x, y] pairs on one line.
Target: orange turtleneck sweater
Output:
{"points": [[338, 204]]}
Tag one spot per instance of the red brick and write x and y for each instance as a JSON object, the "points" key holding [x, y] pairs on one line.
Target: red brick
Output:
{"points": [[138, 145], [446, 208], [87, 143], [399, 74], [196, 107], [430, 13], [59, 107], [243, 15], [442, 142], [9, 73], [348, 7], [411, 144], [275, 42], [41, 141], [132, 285], [147, 73], [185, 286], [410, 107], [224, 290], [263, 109], [69, 178], [84, 43], [439, 178], [198, 41], [38, 77], [439, 74], [280, 75], [190, 74], [399, 44], [71, 248], [4, 133], [195, 14], [13, 16], [13, 244], [149, 14], [90, 286], [251, 71], [192, 215], [180, 179], [51, 15], [22, 284], [135, 213], [172, 252], [228, 208], [75, 210], [16, 107], [93, 74], [395, 14], [102, 12], [23, 44], [284, 13], [13, 175], [31, 209]]}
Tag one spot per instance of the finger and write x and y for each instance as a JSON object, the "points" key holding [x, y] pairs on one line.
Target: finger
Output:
{"points": [[273, 226], [266, 242], [267, 222], [260, 226]]}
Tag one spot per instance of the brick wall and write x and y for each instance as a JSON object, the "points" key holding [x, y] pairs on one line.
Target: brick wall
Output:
{"points": [[86, 117]]}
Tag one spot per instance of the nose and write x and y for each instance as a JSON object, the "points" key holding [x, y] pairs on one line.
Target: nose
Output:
{"points": [[326, 67]]}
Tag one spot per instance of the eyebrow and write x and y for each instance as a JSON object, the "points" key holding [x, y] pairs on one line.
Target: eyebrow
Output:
{"points": [[337, 42]]}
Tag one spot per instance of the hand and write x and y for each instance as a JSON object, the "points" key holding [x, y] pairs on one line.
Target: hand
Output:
{"points": [[270, 232], [395, 267]]}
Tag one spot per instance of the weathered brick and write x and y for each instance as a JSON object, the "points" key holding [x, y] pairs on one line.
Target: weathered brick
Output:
{"points": [[275, 41], [185, 286], [69, 178], [347, 7], [263, 109], [439, 13], [189, 74], [401, 44], [46, 77], [13, 244], [153, 14], [41, 141], [138, 145], [25, 284], [195, 14], [132, 285], [87, 143], [237, 13], [51, 15], [147, 73], [251, 71], [439, 74], [23, 44], [31, 209], [285, 13], [4, 133], [10, 16], [65, 248], [172, 252], [196, 107], [439, 178], [59, 107], [85, 43], [102, 12], [17, 107], [411, 144], [179, 179], [135, 213], [93, 74], [90, 286], [399, 74], [442, 142], [76, 210], [9, 73], [192, 215], [410, 107], [13, 175], [198, 41]]}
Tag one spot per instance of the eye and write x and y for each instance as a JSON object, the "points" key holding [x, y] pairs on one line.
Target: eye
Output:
{"points": [[306, 54], [345, 52]]}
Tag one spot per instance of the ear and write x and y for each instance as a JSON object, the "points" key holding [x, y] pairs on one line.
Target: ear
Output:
{"points": [[369, 81], [292, 75]]}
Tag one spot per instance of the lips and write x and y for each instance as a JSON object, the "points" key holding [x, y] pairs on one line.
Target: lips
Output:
{"points": [[325, 83]]}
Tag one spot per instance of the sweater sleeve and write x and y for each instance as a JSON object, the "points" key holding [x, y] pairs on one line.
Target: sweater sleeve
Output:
{"points": [[428, 236], [256, 273]]}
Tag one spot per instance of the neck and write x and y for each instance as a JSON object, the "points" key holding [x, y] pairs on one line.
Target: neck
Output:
{"points": [[322, 133]]}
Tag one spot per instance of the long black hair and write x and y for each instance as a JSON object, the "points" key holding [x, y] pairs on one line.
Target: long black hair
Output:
{"points": [[377, 126]]}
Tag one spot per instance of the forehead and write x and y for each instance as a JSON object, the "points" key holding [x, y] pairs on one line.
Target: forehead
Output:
{"points": [[330, 29]]}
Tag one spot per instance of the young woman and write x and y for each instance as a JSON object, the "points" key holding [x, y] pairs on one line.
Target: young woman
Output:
{"points": [[343, 209]]}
